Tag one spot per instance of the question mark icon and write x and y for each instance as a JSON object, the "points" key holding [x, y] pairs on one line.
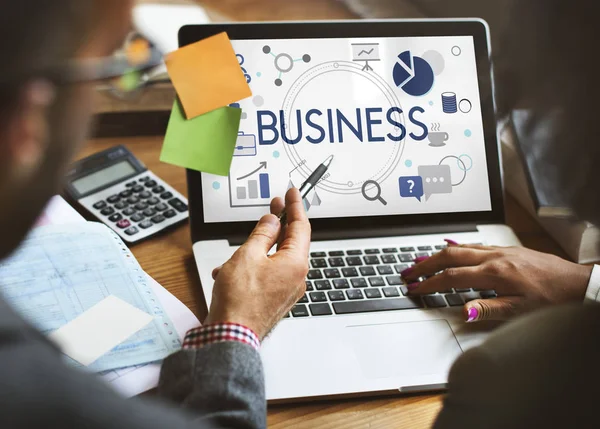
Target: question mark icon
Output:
{"points": [[412, 185]]}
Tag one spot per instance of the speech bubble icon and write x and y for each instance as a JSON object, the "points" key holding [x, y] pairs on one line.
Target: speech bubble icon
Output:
{"points": [[411, 187], [437, 179]]}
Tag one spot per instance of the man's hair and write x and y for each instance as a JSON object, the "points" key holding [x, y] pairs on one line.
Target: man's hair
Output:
{"points": [[35, 37], [549, 63]]}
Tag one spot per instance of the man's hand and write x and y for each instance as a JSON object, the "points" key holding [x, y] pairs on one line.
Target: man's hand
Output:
{"points": [[524, 280], [256, 290]]}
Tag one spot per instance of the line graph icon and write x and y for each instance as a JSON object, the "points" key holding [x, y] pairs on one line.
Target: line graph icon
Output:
{"points": [[366, 52], [284, 63]]}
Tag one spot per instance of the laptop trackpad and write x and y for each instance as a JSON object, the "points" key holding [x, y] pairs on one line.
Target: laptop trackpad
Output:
{"points": [[411, 348]]}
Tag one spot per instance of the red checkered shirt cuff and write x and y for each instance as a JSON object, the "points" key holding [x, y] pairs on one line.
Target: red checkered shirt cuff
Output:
{"points": [[218, 333]]}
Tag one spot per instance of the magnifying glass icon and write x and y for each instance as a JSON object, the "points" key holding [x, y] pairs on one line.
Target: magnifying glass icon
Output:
{"points": [[377, 196]]}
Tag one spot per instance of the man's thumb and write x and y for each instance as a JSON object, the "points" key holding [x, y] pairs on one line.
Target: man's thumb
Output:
{"points": [[493, 309], [265, 234]]}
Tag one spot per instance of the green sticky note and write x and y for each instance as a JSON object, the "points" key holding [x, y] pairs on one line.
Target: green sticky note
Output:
{"points": [[204, 143]]}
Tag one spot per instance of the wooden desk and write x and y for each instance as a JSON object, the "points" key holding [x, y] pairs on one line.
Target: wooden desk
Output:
{"points": [[169, 260]]}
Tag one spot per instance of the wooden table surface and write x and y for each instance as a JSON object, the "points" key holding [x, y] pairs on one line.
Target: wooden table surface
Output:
{"points": [[168, 259]]}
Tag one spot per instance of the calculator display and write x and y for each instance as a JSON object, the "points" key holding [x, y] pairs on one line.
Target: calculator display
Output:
{"points": [[103, 177]]}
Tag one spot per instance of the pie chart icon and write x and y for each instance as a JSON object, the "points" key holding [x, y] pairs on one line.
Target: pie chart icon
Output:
{"points": [[413, 74]]}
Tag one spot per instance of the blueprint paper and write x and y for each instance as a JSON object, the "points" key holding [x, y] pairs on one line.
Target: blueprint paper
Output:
{"points": [[60, 271]]}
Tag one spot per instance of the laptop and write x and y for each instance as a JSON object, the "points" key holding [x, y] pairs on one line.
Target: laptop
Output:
{"points": [[406, 108]]}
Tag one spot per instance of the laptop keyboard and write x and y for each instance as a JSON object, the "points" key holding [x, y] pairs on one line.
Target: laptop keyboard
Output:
{"points": [[369, 280]]}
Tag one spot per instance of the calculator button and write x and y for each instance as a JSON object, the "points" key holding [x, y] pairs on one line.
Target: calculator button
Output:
{"points": [[146, 224], [121, 205], [178, 205], [131, 184], [153, 201], [144, 179], [160, 207], [132, 231], [115, 218], [149, 212], [150, 184], [166, 195], [138, 217], [158, 190], [141, 206], [125, 194], [133, 200], [128, 211], [108, 211], [144, 194], [113, 199], [170, 213], [100, 205], [137, 188], [123, 223], [158, 219]]}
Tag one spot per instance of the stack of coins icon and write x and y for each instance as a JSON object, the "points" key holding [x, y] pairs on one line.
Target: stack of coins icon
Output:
{"points": [[449, 102]]}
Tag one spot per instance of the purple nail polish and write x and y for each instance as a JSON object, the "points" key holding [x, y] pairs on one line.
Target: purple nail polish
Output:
{"points": [[407, 271], [473, 314], [413, 286], [421, 259], [451, 242]]}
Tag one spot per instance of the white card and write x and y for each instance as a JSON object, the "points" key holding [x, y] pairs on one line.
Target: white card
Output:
{"points": [[99, 330]]}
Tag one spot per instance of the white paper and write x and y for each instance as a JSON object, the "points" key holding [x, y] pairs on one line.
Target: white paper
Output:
{"points": [[100, 329], [59, 212]]}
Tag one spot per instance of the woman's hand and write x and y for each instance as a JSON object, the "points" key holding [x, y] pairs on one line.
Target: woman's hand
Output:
{"points": [[523, 279]]}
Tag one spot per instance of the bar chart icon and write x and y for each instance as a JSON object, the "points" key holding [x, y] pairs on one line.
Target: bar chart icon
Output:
{"points": [[251, 190]]}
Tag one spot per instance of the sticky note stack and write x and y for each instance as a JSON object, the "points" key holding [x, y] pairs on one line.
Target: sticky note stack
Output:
{"points": [[202, 130]]}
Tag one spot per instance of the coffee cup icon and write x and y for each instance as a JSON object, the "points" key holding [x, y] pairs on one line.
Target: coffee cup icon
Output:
{"points": [[438, 139]]}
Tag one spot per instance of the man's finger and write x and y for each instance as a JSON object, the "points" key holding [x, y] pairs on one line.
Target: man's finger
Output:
{"points": [[264, 236], [277, 206], [216, 272], [450, 257], [501, 308], [296, 237], [452, 278]]}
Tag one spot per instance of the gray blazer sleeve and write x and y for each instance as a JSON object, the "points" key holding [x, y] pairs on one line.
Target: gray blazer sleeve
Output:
{"points": [[540, 371], [214, 387]]}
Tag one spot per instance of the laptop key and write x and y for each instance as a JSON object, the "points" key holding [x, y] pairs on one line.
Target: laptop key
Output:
{"points": [[309, 286], [488, 294], [336, 253], [318, 297], [341, 284], [349, 307], [454, 300], [388, 259], [406, 257], [424, 249], [336, 295], [332, 273], [435, 301], [372, 251], [390, 250], [394, 280], [303, 300], [336, 262], [300, 311], [314, 274], [462, 290], [354, 294], [367, 271], [354, 261], [390, 292], [354, 252], [350, 272], [421, 255], [384, 270], [401, 267], [318, 255], [323, 285], [407, 249], [371, 260], [372, 293], [318, 263], [441, 247], [320, 309], [404, 290], [359, 282], [376, 281]]}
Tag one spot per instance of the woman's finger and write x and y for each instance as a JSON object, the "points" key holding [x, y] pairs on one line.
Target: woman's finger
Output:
{"points": [[451, 257], [452, 278], [501, 308]]}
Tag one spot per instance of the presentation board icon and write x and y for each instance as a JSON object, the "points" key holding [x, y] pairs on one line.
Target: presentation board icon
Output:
{"points": [[245, 145], [413, 74], [366, 52], [252, 189]]}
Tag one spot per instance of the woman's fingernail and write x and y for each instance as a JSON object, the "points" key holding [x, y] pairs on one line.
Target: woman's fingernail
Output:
{"points": [[451, 242], [473, 314], [421, 259], [407, 272], [413, 286]]}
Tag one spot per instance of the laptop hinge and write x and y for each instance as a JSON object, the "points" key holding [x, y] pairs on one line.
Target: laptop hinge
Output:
{"points": [[379, 232]]}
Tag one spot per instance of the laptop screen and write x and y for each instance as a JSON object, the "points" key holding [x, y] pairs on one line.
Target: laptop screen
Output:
{"points": [[401, 116]]}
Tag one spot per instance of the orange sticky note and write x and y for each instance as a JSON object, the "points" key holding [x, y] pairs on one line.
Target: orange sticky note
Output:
{"points": [[207, 75]]}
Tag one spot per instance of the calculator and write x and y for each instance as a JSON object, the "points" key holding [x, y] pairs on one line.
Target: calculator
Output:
{"points": [[117, 189]]}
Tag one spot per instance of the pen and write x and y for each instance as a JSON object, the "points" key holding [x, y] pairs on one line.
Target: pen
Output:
{"points": [[309, 185]]}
